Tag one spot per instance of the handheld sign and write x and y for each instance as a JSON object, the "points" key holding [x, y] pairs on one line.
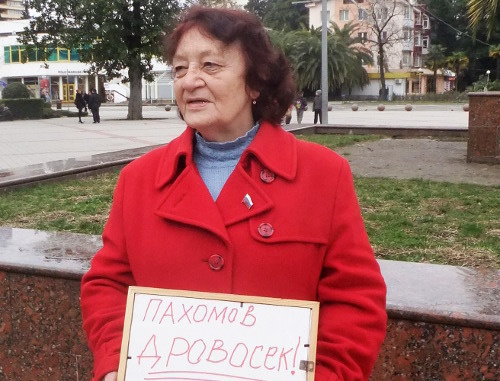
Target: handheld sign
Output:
{"points": [[184, 335]]}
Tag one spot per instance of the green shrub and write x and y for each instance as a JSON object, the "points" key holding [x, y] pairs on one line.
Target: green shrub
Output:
{"points": [[25, 108], [15, 90], [483, 82], [447, 97]]}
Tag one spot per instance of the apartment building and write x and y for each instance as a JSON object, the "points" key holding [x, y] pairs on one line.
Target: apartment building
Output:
{"points": [[404, 29], [11, 9]]}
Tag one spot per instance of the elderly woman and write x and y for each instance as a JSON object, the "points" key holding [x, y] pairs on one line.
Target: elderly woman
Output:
{"points": [[237, 205]]}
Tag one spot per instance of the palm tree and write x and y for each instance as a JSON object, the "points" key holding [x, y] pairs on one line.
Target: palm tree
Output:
{"points": [[483, 11], [360, 55], [457, 61], [495, 53], [345, 57], [435, 60]]}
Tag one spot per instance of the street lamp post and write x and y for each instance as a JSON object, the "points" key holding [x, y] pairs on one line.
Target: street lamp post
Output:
{"points": [[67, 87], [420, 72], [324, 58], [487, 80], [324, 63]]}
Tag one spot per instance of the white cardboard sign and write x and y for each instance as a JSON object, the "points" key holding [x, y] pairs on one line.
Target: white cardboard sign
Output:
{"points": [[183, 335]]}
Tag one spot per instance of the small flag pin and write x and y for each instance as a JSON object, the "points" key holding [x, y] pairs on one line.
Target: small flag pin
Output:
{"points": [[247, 200]]}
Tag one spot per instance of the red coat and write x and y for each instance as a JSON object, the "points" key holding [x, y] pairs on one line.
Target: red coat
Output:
{"points": [[303, 238]]}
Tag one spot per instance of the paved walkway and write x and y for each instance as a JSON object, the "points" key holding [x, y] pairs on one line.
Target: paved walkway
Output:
{"points": [[24, 143], [52, 145]]}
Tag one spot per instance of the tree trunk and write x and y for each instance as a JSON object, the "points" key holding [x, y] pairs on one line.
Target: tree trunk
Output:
{"points": [[383, 92], [135, 100], [435, 81]]}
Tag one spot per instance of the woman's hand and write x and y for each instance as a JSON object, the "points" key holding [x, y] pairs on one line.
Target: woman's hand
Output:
{"points": [[111, 376]]}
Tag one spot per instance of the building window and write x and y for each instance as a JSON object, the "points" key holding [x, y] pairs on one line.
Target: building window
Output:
{"points": [[363, 36], [407, 13], [417, 60], [406, 59], [418, 41], [425, 22], [63, 54], [6, 54], [362, 14], [74, 55], [353, 1], [407, 35], [382, 13], [51, 54], [15, 53], [418, 18], [425, 42], [383, 36], [18, 53], [344, 15], [32, 55]]}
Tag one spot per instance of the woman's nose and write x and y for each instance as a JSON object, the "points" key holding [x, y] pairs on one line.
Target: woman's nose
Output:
{"points": [[193, 78]]}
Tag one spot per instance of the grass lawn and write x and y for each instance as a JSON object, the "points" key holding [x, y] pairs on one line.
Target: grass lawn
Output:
{"points": [[409, 220]]}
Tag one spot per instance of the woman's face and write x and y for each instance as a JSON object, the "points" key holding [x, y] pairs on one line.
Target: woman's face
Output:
{"points": [[210, 87]]}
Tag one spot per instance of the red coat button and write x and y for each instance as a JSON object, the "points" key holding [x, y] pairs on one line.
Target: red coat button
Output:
{"points": [[267, 176], [266, 230], [216, 262]]}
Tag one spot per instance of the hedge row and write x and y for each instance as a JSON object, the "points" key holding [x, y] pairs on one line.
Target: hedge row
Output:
{"points": [[25, 108]]}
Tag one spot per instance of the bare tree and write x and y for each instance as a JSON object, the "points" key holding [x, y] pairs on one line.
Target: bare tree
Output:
{"points": [[381, 20]]}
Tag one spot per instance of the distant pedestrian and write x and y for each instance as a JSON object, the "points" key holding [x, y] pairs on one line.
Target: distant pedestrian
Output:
{"points": [[80, 104], [86, 97], [317, 107], [94, 104], [288, 114], [300, 106]]}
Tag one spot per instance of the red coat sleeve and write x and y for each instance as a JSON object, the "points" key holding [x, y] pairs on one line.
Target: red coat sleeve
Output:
{"points": [[352, 292], [103, 299]]}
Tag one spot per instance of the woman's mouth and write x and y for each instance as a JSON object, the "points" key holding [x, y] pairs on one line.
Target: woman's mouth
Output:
{"points": [[196, 102]]}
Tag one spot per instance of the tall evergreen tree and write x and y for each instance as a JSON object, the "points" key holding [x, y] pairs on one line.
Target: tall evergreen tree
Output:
{"points": [[257, 7], [283, 15]]}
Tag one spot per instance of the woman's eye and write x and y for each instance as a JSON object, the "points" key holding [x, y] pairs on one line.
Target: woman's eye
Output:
{"points": [[210, 66], [179, 71]]}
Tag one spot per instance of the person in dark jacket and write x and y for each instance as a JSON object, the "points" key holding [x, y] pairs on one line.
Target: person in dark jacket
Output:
{"points": [[94, 104], [317, 107], [80, 104], [300, 106], [86, 97]]}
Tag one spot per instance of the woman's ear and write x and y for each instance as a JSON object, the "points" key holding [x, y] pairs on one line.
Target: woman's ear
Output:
{"points": [[253, 94]]}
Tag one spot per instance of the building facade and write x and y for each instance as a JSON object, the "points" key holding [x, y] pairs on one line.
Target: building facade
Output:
{"points": [[11, 9], [59, 75], [403, 27]]}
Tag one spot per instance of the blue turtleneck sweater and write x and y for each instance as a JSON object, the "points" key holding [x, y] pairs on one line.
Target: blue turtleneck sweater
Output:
{"points": [[216, 161]]}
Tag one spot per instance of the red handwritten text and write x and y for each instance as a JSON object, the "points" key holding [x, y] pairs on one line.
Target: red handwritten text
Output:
{"points": [[160, 312]]}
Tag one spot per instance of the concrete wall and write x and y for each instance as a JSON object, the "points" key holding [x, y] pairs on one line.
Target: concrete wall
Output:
{"points": [[444, 321]]}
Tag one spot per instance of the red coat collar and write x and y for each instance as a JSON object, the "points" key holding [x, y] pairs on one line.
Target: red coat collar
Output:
{"points": [[273, 147]]}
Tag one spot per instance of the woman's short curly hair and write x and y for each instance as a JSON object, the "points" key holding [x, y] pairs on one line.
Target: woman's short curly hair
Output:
{"points": [[267, 69]]}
